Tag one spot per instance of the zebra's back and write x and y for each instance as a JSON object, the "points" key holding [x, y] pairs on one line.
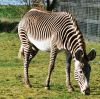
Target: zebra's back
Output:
{"points": [[44, 24], [41, 26]]}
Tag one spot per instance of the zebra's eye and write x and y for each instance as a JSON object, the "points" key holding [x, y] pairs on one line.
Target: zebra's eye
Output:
{"points": [[80, 72]]}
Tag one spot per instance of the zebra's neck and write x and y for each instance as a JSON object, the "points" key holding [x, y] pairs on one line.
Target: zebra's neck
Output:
{"points": [[73, 39], [75, 42]]}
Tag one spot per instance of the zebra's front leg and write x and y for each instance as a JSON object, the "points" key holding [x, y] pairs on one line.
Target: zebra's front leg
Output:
{"points": [[68, 67], [53, 55]]}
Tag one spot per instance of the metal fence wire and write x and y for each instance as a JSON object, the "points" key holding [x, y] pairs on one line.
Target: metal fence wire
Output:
{"points": [[87, 13]]}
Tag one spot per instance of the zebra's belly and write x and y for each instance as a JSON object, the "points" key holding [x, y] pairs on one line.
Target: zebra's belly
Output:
{"points": [[43, 45]]}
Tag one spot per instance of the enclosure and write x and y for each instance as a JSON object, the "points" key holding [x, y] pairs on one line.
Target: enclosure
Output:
{"points": [[87, 13]]}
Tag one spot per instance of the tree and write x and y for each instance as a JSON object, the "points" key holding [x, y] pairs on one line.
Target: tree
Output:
{"points": [[31, 3], [48, 4], [51, 4]]}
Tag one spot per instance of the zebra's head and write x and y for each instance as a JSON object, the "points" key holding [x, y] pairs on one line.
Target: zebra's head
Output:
{"points": [[82, 69]]}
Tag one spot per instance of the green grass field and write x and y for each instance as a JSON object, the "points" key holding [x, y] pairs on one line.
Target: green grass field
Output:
{"points": [[11, 74]]}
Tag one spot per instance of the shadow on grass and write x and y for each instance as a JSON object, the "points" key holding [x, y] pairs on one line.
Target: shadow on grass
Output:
{"points": [[35, 84], [63, 88], [57, 87]]}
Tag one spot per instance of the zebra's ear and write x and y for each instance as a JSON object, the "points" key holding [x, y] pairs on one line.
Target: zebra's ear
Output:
{"points": [[92, 54], [79, 55]]}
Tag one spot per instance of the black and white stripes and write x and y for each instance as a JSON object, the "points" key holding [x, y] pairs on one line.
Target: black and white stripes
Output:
{"points": [[51, 31]]}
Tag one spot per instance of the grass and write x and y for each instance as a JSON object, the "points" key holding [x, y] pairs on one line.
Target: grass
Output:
{"points": [[11, 74]]}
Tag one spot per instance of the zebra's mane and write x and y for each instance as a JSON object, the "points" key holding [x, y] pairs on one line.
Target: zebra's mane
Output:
{"points": [[40, 10]]}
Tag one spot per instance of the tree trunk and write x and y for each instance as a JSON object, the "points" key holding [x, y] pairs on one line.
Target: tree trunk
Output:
{"points": [[51, 6]]}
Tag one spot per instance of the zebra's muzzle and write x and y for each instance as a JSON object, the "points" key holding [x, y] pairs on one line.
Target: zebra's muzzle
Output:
{"points": [[86, 92]]}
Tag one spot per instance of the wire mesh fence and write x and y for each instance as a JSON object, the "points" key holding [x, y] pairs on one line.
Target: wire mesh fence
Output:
{"points": [[87, 13]]}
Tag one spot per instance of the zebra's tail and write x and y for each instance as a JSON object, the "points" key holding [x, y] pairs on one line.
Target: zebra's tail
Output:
{"points": [[21, 52]]}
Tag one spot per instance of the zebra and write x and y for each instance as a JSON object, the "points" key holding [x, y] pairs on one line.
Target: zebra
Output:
{"points": [[54, 32]]}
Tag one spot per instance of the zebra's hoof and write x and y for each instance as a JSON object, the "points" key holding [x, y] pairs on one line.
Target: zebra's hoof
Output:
{"points": [[28, 86], [47, 88], [71, 89]]}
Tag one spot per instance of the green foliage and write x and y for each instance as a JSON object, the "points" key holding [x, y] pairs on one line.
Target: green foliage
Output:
{"points": [[11, 74], [12, 13]]}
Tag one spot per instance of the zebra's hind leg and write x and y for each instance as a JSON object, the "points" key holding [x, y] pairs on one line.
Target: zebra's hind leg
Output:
{"points": [[29, 53], [68, 67], [53, 55], [33, 52]]}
